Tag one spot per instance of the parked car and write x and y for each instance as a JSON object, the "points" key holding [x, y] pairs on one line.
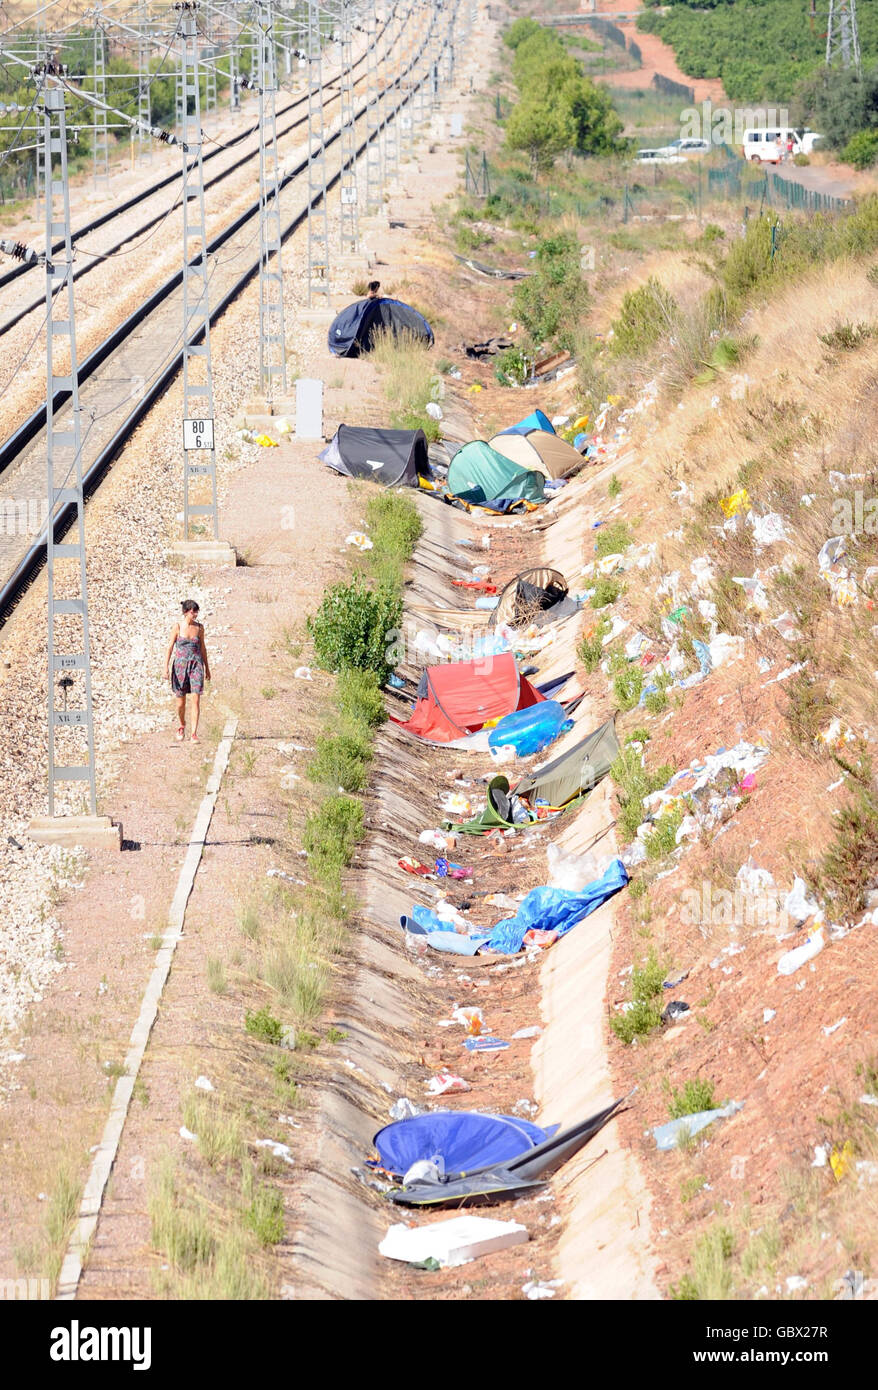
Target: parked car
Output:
{"points": [[665, 156], [690, 145], [761, 143]]}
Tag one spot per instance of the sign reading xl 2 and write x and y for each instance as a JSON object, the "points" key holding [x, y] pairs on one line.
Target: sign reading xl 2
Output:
{"points": [[198, 434]]}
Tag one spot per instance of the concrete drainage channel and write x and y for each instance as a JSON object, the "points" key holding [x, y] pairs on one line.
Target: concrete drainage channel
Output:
{"points": [[604, 1249]]}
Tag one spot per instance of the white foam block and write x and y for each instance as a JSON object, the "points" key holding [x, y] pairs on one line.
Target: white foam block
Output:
{"points": [[453, 1242]]}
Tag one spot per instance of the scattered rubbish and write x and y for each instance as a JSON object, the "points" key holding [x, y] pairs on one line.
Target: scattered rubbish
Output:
{"points": [[485, 1044], [831, 1028], [676, 1009], [422, 1171], [735, 503], [453, 1242], [404, 1109], [282, 1151], [530, 730], [434, 410], [821, 1156], [360, 540], [797, 904], [535, 1290], [533, 1032], [668, 1136], [767, 529], [841, 1160], [795, 1282], [768, 1015], [445, 1084], [867, 1171], [572, 872], [187, 1134], [527, 1108], [266, 441], [673, 980], [792, 960], [203, 1084], [303, 673]]}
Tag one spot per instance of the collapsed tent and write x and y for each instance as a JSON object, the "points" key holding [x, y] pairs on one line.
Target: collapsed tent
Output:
{"points": [[574, 772], [556, 909], [480, 475], [529, 1169], [392, 457], [353, 331], [533, 596], [455, 1141], [545, 453], [457, 698], [535, 421]]}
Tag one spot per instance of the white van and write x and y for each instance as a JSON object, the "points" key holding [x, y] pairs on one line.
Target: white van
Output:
{"points": [[770, 145]]}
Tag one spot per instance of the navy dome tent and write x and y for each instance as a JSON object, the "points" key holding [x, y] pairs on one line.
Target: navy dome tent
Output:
{"points": [[459, 1140], [392, 457], [353, 329]]}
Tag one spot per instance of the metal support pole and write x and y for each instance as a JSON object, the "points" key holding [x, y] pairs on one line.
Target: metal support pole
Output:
{"points": [[198, 418], [144, 101], [272, 341], [100, 149], [40, 152], [392, 67], [318, 222], [374, 160], [350, 235], [69, 649]]}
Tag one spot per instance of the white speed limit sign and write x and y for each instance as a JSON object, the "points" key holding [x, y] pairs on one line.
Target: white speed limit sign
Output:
{"points": [[198, 434]]}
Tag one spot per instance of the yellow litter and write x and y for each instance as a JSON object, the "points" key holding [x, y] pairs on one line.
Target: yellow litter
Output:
{"points": [[840, 1160], [266, 441], [736, 503]]}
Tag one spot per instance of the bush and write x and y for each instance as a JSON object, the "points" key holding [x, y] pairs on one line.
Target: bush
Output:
{"points": [[862, 149], [359, 698], [262, 1024], [551, 302], [628, 687], [633, 783], [695, 1096], [341, 760], [606, 591], [352, 627], [613, 539], [662, 839], [331, 833], [265, 1215], [645, 1013], [591, 647], [646, 314], [511, 367]]}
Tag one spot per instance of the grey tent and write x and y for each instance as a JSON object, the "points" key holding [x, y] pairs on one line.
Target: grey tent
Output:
{"points": [[574, 772], [394, 458]]}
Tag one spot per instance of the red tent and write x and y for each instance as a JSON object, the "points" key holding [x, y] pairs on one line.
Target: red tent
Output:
{"points": [[456, 699]]}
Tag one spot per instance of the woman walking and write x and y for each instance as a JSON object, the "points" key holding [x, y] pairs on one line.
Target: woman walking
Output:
{"points": [[190, 666]]}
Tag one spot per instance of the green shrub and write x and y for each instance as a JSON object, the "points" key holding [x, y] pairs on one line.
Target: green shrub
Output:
{"points": [[331, 833], [551, 302], [645, 1013], [341, 760], [591, 648], [862, 149], [262, 1024], [605, 591], [628, 687], [613, 539], [511, 367], [394, 524], [646, 314], [695, 1096], [359, 698], [662, 839], [353, 625], [265, 1215], [845, 337], [633, 783], [614, 487]]}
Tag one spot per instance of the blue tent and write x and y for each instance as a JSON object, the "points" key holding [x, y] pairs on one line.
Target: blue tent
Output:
{"points": [[457, 1141], [556, 909], [535, 421], [352, 330]]}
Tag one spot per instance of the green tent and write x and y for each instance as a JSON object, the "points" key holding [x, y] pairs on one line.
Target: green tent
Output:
{"points": [[575, 772], [497, 812], [478, 474]]}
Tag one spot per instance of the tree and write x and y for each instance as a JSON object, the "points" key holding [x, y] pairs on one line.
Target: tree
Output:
{"points": [[519, 31], [543, 128]]}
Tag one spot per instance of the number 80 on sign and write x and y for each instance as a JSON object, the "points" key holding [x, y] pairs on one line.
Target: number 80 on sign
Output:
{"points": [[198, 434]]}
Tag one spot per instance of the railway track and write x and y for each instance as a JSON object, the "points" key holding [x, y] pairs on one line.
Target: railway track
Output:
{"points": [[113, 214], [143, 337]]}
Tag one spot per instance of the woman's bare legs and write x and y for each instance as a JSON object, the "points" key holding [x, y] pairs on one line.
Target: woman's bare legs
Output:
{"points": [[196, 710], [181, 710]]}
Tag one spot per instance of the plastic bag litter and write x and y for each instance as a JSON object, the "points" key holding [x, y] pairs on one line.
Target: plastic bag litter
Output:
{"points": [[723, 648], [433, 410], [786, 626], [768, 529], [797, 903], [360, 540], [404, 1109], [735, 503], [754, 590], [303, 673], [573, 871], [423, 1170], [265, 441], [446, 1083], [753, 879], [800, 955], [667, 1136]]}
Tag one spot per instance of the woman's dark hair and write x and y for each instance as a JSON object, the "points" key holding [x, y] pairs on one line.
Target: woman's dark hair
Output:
{"points": [[189, 605], [374, 286]]}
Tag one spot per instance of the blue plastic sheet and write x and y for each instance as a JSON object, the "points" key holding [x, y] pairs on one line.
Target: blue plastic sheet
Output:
{"points": [[556, 909]]}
